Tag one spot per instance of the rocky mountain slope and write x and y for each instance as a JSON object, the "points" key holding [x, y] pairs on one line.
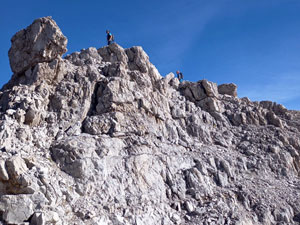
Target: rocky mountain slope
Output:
{"points": [[100, 137]]}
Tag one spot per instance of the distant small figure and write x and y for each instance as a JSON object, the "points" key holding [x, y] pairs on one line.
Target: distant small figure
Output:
{"points": [[179, 75], [109, 37]]}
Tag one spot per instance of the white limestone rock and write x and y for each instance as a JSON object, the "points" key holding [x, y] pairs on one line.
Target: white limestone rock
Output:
{"points": [[42, 41], [16, 209], [3, 172], [16, 166], [211, 89]]}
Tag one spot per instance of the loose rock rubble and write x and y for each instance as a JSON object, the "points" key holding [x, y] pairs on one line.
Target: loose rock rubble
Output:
{"points": [[100, 137]]}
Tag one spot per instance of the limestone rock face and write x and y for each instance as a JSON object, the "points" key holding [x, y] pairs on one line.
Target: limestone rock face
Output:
{"points": [[42, 41], [100, 137]]}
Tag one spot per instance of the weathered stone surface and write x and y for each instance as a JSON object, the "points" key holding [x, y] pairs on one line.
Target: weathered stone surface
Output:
{"points": [[193, 91], [15, 209], [103, 124], [211, 104], [16, 166], [100, 137], [32, 117], [211, 89], [228, 89], [42, 218], [113, 53], [42, 41], [273, 119], [273, 106], [3, 172], [75, 155]]}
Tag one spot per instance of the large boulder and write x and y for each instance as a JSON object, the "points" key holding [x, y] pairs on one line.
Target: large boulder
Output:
{"points": [[113, 53], [15, 209], [210, 88], [192, 91], [228, 89], [42, 41]]}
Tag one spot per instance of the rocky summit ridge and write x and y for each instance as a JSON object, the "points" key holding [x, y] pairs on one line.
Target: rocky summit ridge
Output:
{"points": [[100, 137]]}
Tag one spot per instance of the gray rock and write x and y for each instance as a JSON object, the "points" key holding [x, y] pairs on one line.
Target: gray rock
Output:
{"points": [[211, 105], [15, 209], [42, 41], [100, 137], [42, 218], [3, 172], [211, 89], [32, 117], [193, 91], [113, 53], [273, 119], [228, 89], [75, 154], [189, 206], [15, 167]]}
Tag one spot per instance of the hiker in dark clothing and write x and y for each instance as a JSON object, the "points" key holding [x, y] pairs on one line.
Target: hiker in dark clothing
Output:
{"points": [[109, 37], [179, 75]]}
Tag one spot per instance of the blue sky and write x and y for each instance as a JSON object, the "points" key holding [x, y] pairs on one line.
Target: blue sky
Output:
{"points": [[252, 43]]}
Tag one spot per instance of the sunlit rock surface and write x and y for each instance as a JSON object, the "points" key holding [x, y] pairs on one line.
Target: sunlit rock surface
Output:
{"points": [[100, 137]]}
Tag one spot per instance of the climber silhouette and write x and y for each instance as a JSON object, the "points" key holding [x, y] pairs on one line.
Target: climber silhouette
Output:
{"points": [[179, 75], [109, 37]]}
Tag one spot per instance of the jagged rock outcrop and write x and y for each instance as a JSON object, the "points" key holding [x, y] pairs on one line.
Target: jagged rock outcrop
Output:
{"points": [[229, 89], [100, 137], [42, 41]]}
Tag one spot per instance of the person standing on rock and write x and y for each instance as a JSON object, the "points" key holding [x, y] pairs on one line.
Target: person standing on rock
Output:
{"points": [[109, 37], [179, 75]]}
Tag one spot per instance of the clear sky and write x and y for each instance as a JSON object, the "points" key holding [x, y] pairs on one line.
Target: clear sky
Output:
{"points": [[252, 43]]}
